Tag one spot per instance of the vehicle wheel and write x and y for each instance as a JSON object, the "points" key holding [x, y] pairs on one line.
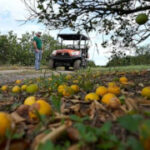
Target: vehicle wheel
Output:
{"points": [[51, 64], [77, 64], [66, 67]]}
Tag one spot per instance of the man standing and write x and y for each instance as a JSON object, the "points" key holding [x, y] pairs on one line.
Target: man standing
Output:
{"points": [[38, 47]]}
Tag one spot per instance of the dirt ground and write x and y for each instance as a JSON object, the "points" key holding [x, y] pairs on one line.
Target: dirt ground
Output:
{"points": [[7, 76]]}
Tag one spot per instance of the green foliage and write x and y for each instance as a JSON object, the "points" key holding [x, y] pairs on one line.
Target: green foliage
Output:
{"points": [[56, 102], [78, 119], [134, 144], [141, 57], [130, 122], [16, 50], [91, 63], [115, 18], [48, 145]]}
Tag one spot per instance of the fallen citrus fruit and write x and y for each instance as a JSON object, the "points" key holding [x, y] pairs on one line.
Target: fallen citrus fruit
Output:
{"points": [[75, 88], [91, 96], [61, 88], [114, 89], [18, 81], [4, 88], [101, 90], [111, 100], [32, 88], [42, 107], [5, 123], [68, 77], [67, 91], [123, 80], [16, 89], [146, 92], [112, 84], [30, 100], [23, 87]]}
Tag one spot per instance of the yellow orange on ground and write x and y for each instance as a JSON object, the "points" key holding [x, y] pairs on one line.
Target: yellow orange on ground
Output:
{"points": [[4, 88], [61, 88], [5, 123], [67, 91], [91, 96], [68, 77], [114, 89], [30, 100], [23, 87], [110, 100], [18, 81], [75, 88], [16, 89], [101, 90], [112, 84], [146, 92], [123, 80], [32, 88], [45, 107], [42, 107]]}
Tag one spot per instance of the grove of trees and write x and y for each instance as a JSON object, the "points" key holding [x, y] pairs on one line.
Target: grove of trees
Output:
{"points": [[14, 50], [141, 57]]}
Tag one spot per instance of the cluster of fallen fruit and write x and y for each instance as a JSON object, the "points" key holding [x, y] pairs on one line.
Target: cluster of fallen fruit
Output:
{"points": [[54, 114]]}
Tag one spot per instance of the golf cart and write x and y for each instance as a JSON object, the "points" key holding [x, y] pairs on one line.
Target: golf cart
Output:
{"points": [[70, 55]]}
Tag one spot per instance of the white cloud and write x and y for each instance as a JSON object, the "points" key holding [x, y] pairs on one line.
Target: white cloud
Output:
{"points": [[15, 7]]}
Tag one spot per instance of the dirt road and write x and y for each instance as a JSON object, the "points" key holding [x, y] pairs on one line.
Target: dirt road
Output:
{"points": [[7, 76]]}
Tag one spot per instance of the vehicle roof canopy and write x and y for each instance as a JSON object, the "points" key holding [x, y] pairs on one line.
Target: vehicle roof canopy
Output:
{"points": [[73, 37]]}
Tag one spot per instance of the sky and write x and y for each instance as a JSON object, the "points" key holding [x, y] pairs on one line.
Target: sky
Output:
{"points": [[12, 11]]}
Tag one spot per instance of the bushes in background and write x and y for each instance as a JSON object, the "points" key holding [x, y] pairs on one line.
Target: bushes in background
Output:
{"points": [[14, 50]]}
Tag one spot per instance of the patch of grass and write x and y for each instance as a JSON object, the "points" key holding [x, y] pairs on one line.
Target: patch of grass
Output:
{"points": [[123, 68]]}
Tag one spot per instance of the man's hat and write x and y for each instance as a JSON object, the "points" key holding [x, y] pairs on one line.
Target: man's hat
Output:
{"points": [[39, 33]]}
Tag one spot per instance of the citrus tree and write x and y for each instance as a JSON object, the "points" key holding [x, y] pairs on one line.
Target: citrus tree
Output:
{"points": [[124, 21], [19, 50]]}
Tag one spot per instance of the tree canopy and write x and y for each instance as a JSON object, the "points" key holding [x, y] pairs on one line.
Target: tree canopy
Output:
{"points": [[115, 18]]}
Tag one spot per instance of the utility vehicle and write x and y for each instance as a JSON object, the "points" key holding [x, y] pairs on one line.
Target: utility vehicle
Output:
{"points": [[74, 53]]}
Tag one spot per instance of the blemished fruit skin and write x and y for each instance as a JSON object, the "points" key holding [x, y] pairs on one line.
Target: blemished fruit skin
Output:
{"points": [[141, 19], [91, 96], [5, 123], [101, 90], [42, 107], [30, 100], [45, 108], [67, 91], [32, 88], [114, 89], [16, 89], [146, 92], [107, 98]]}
